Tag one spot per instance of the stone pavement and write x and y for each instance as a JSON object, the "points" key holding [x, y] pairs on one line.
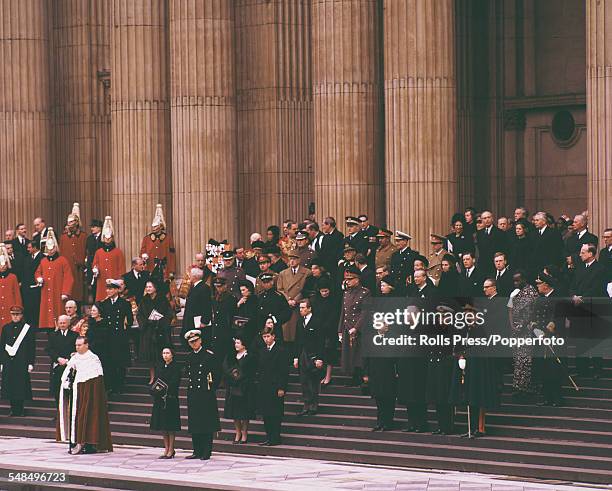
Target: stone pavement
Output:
{"points": [[139, 468]]}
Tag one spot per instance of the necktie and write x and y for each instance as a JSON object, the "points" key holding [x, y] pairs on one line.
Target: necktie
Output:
{"points": [[294, 271], [498, 275], [469, 273]]}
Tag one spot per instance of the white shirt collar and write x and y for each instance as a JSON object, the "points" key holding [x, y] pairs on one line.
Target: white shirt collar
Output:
{"points": [[197, 283], [271, 346], [307, 318], [581, 233], [241, 355]]}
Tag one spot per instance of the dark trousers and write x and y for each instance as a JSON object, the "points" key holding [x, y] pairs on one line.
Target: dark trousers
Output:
{"points": [[583, 365], [310, 385], [114, 378], [552, 380], [17, 407], [444, 415], [474, 418], [385, 410], [202, 444], [417, 415], [272, 425]]}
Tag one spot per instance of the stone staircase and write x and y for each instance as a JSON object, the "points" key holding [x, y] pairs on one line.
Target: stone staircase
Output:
{"points": [[572, 443]]}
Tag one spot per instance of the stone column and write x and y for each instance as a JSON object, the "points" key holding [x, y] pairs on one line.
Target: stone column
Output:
{"points": [[25, 163], [599, 111], [203, 116], [274, 112], [140, 119], [420, 116], [348, 161], [81, 48]]}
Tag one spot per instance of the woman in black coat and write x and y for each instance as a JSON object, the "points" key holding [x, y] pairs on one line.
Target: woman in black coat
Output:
{"points": [[449, 285], [154, 317], [245, 320], [460, 240], [166, 415], [98, 334], [326, 304], [239, 371], [521, 247], [381, 378], [312, 283]]}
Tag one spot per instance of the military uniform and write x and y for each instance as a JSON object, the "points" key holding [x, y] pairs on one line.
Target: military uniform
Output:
{"points": [[352, 316], [203, 373], [118, 315], [307, 255], [233, 276], [383, 255], [259, 287], [16, 385], [434, 271], [402, 265], [73, 248]]}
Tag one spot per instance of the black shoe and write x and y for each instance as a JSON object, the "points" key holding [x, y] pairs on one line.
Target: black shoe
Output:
{"points": [[89, 449], [236, 442], [478, 434], [436, 432], [559, 403], [205, 457], [264, 444], [193, 456], [410, 429], [274, 443], [312, 412], [545, 403], [303, 412], [377, 428]]}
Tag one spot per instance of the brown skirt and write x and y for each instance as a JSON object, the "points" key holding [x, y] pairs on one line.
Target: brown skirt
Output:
{"points": [[91, 421]]}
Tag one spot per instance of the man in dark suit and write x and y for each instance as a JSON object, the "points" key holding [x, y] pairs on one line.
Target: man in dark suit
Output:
{"points": [[332, 245], [40, 230], [578, 238], [548, 245], [136, 279], [503, 275], [310, 344], [421, 288], [356, 237], [473, 277], [30, 289], [368, 276], [587, 287], [20, 242], [605, 255], [59, 348], [489, 241], [197, 304], [272, 378], [273, 303], [316, 236], [17, 261]]}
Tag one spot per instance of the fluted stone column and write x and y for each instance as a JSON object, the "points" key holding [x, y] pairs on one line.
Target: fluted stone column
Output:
{"points": [[140, 117], [80, 129], [599, 114], [25, 183], [203, 115], [348, 161], [274, 112], [421, 116]]}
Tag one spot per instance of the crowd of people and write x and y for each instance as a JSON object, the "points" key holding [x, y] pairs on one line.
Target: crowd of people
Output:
{"points": [[296, 297]]}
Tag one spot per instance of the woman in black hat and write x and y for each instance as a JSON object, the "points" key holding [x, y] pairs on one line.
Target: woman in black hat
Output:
{"points": [[449, 285], [154, 317], [224, 310], [245, 320], [311, 285], [166, 415], [326, 304]]}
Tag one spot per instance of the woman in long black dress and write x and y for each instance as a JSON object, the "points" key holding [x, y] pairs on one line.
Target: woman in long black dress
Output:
{"points": [[166, 416], [223, 312], [154, 316], [326, 304], [245, 320], [240, 398], [98, 334], [521, 247]]}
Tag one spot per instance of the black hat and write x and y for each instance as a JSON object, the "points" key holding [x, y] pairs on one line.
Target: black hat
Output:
{"points": [[228, 255], [96, 223], [423, 259], [274, 250], [388, 280], [258, 244], [219, 281], [324, 282], [546, 278], [266, 277]]}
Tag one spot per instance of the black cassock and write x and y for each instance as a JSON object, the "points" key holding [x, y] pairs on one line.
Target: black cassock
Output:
{"points": [[16, 383], [203, 372], [61, 345]]}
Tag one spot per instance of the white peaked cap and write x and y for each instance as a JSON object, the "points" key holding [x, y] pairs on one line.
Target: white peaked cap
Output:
{"points": [[107, 229]]}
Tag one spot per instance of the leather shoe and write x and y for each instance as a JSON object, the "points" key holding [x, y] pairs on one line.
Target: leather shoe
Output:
{"points": [[274, 443], [410, 429], [265, 444], [303, 412], [377, 428], [193, 456], [436, 432], [312, 412], [205, 457]]}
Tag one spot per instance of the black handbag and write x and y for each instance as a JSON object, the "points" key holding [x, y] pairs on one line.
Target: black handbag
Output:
{"points": [[240, 321], [159, 389]]}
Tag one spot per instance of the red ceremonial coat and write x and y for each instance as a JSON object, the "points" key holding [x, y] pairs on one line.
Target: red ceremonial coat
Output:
{"points": [[57, 281], [72, 247], [9, 296], [111, 265], [159, 246]]}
